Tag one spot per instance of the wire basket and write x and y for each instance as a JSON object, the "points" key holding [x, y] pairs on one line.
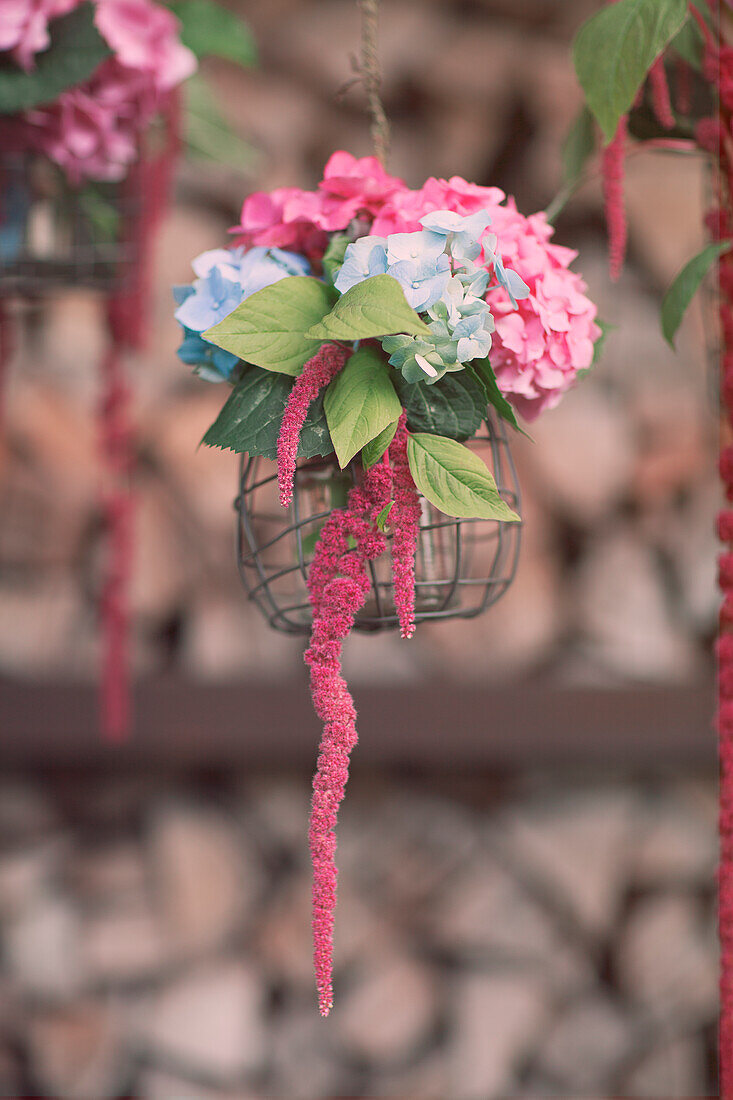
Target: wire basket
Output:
{"points": [[52, 234], [461, 566]]}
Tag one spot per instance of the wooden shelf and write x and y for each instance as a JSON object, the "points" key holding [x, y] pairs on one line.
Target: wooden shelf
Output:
{"points": [[181, 724]]}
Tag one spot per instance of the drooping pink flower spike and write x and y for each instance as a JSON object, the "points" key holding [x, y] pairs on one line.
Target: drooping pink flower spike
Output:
{"points": [[336, 601], [404, 518], [317, 373], [613, 166], [661, 99]]}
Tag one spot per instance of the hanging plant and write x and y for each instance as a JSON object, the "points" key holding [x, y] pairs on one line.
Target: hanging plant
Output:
{"points": [[90, 128], [87, 92], [657, 75], [369, 332]]}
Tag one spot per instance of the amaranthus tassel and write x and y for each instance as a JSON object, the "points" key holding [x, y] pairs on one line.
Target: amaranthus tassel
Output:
{"points": [[661, 100], [336, 601], [613, 191], [317, 373], [404, 519]]}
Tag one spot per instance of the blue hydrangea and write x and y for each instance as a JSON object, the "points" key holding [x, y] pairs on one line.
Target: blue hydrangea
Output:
{"points": [[226, 276], [462, 233], [362, 260], [213, 297], [417, 359], [512, 283], [208, 361], [473, 335], [414, 247], [423, 282]]}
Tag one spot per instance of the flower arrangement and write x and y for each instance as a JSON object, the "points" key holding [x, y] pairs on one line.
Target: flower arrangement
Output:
{"points": [[132, 58], [658, 75], [376, 324]]}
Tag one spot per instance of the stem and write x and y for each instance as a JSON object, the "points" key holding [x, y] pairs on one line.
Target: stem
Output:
{"points": [[372, 78]]}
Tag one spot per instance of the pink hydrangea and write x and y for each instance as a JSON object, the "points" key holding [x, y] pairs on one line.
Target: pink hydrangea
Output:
{"points": [[291, 218], [277, 219], [144, 36], [92, 130], [359, 179], [24, 26], [540, 346], [403, 209]]}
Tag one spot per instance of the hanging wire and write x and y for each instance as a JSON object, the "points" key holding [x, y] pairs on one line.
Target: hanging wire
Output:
{"points": [[371, 76]]}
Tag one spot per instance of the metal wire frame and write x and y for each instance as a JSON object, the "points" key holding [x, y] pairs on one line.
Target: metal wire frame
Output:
{"points": [[50, 238], [462, 566]]}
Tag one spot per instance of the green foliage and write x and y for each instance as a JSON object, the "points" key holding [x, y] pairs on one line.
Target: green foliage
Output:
{"points": [[360, 404], [484, 372], [684, 287], [601, 341], [77, 49], [454, 406], [372, 451], [269, 328], [251, 418], [376, 307], [333, 257], [689, 43], [614, 50], [208, 136], [211, 30], [579, 146], [455, 479], [383, 516]]}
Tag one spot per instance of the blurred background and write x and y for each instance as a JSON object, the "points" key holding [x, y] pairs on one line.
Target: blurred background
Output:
{"points": [[528, 843]]}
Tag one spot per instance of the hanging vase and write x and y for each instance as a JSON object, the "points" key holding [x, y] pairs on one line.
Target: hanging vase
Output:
{"points": [[462, 566]]}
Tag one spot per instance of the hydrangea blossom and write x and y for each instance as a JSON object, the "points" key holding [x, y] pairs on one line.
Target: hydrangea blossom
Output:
{"points": [[436, 270], [24, 27], [363, 259], [225, 278], [92, 130], [544, 322]]}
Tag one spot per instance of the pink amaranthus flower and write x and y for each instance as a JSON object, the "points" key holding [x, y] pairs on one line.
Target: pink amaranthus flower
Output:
{"points": [[404, 518], [613, 163], [316, 374], [338, 585]]}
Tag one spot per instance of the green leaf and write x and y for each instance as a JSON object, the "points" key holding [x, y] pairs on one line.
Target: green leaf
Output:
{"points": [[690, 44], [251, 418], [333, 257], [601, 341], [494, 396], [268, 328], [77, 49], [372, 451], [579, 146], [615, 49], [207, 134], [376, 307], [455, 479], [683, 289], [211, 30], [384, 516], [454, 406], [360, 403]]}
